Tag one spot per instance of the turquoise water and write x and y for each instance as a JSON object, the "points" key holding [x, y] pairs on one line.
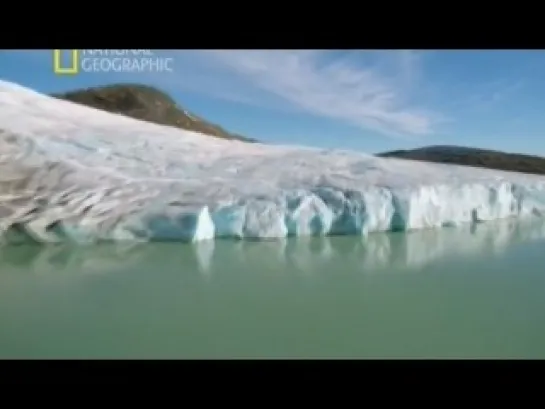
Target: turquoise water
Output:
{"points": [[458, 292]]}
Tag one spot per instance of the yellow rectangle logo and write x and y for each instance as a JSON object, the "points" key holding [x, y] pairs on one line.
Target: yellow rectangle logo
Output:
{"points": [[73, 67]]}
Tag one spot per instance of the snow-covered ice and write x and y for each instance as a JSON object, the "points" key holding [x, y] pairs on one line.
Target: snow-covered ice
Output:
{"points": [[69, 172]]}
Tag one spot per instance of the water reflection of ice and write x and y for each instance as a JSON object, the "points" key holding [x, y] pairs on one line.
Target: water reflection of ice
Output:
{"points": [[375, 253], [381, 252]]}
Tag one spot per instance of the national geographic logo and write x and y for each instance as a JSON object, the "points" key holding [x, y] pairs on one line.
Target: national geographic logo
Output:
{"points": [[72, 62]]}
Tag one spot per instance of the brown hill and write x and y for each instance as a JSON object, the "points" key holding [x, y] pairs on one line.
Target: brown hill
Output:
{"points": [[148, 104], [473, 157]]}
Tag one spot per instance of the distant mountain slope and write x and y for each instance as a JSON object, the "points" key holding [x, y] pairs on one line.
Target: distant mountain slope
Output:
{"points": [[148, 104], [473, 157]]}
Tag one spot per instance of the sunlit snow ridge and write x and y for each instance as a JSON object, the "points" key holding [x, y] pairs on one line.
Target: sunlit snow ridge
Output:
{"points": [[69, 172]]}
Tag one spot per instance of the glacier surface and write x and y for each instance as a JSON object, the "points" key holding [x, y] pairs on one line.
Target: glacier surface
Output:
{"points": [[73, 173]]}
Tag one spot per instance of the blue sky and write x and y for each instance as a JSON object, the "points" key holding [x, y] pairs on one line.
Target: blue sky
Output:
{"points": [[366, 100]]}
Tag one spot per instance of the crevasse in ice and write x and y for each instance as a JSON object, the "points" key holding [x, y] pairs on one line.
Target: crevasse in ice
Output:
{"points": [[69, 172]]}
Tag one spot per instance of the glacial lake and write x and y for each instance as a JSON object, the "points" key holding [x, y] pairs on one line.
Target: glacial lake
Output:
{"points": [[465, 292]]}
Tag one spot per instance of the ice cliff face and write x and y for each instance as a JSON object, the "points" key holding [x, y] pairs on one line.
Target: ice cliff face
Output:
{"points": [[69, 172], [379, 252]]}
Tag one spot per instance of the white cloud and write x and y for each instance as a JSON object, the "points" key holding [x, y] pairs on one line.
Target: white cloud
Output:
{"points": [[368, 89], [364, 96]]}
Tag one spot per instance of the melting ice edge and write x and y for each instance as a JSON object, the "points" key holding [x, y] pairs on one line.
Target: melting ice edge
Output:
{"points": [[73, 173]]}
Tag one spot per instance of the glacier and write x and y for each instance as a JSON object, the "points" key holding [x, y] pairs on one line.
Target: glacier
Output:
{"points": [[77, 174], [378, 253]]}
